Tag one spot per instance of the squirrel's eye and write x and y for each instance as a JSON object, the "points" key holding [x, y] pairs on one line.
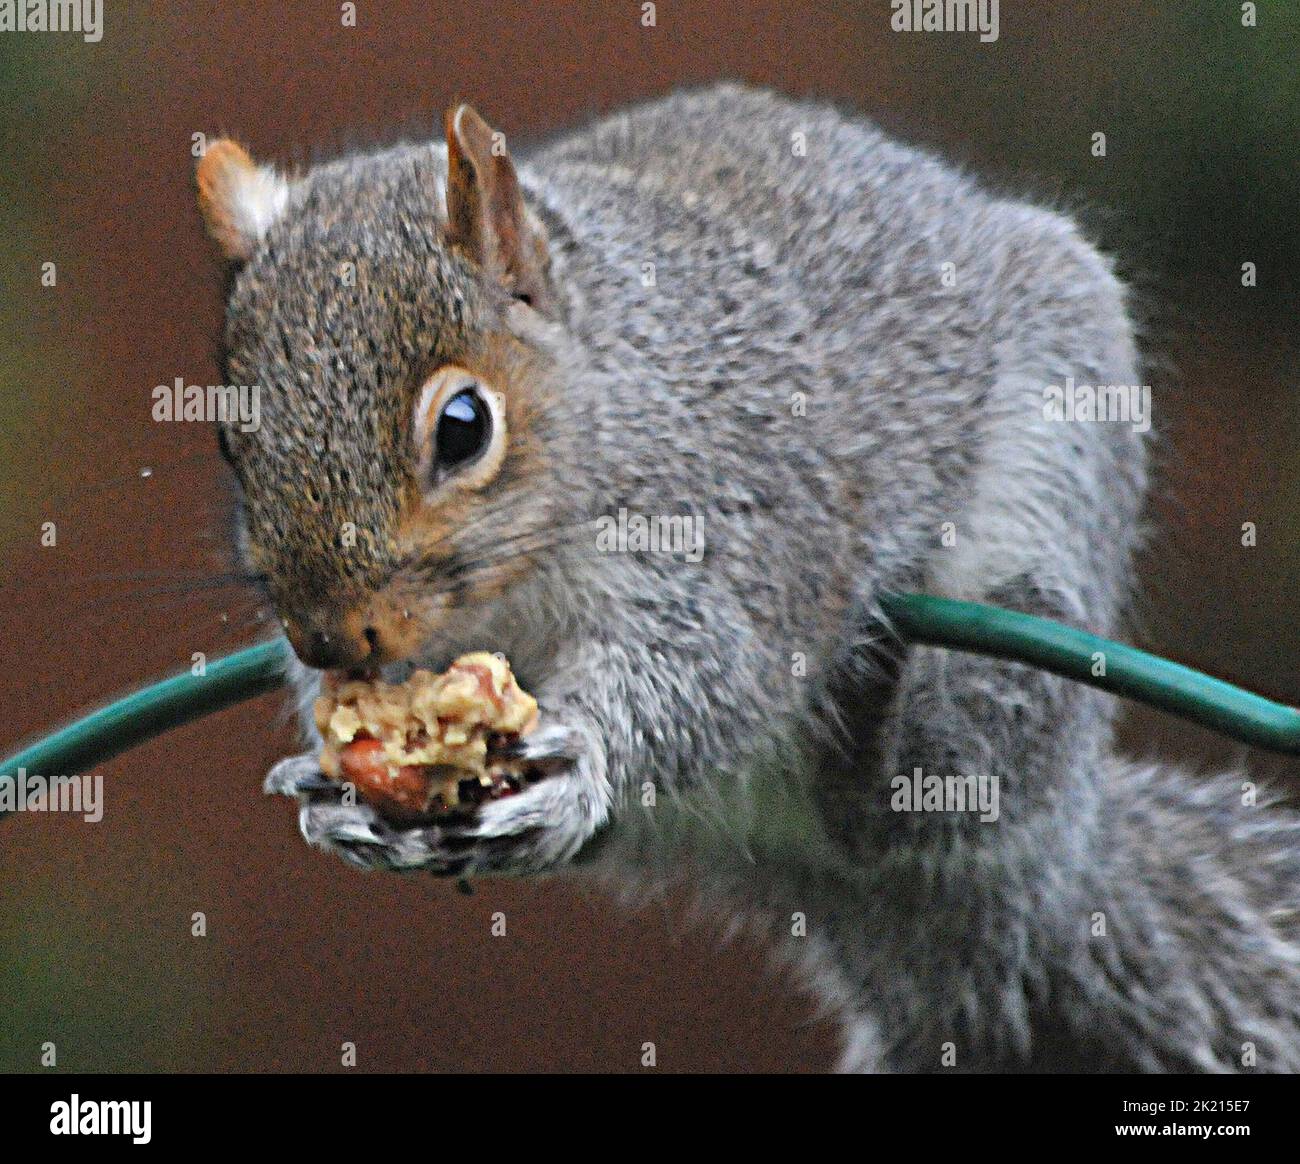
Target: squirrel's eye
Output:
{"points": [[458, 431], [464, 429]]}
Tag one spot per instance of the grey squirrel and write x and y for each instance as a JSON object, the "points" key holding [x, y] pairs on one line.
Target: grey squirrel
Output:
{"points": [[830, 350]]}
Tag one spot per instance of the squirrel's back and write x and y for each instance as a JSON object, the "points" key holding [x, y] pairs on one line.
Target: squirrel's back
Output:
{"points": [[742, 250]]}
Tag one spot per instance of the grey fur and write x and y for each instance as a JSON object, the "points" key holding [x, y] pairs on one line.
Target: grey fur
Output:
{"points": [[778, 273]]}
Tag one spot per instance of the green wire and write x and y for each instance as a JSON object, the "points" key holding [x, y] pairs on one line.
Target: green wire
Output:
{"points": [[151, 711], [919, 618], [1052, 646]]}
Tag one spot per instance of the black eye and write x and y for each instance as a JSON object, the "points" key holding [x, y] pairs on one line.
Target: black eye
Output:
{"points": [[464, 429]]}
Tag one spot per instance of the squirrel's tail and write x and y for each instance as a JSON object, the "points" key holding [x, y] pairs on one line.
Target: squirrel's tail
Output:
{"points": [[1191, 959]]}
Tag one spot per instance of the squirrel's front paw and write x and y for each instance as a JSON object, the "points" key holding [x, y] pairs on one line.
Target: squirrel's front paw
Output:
{"points": [[536, 829]]}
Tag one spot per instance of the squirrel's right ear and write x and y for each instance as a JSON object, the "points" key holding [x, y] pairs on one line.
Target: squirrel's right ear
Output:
{"points": [[238, 198], [486, 216]]}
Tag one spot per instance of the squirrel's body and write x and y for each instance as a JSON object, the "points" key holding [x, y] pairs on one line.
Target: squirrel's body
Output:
{"points": [[829, 351]]}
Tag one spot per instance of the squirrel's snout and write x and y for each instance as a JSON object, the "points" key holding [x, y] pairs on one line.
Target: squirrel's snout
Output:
{"points": [[334, 643], [379, 631]]}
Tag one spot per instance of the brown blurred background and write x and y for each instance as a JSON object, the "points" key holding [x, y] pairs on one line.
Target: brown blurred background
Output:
{"points": [[302, 953]]}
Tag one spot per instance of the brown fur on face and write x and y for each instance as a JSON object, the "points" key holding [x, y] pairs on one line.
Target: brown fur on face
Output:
{"points": [[442, 535], [352, 299], [421, 555]]}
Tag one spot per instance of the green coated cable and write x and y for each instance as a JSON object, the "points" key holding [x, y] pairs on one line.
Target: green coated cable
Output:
{"points": [[919, 618], [1075, 654], [151, 711]]}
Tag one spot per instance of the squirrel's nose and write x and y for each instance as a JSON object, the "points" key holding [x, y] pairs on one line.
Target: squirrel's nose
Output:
{"points": [[332, 644]]}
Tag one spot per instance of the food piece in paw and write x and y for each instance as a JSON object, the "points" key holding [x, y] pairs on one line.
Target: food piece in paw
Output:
{"points": [[417, 748], [404, 792]]}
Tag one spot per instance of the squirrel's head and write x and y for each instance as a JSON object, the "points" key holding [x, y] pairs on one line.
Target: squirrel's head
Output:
{"points": [[397, 318]]}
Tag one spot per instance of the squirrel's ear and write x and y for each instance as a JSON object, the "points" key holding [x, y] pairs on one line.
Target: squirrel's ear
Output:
{"points": [[239, 199], [486, 215]]}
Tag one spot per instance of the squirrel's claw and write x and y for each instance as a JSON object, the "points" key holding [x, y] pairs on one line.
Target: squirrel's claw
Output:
{"points": [[343, 829], [295, 776], [354, 831], [533, 830], [363, 839], [549, 745]]}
